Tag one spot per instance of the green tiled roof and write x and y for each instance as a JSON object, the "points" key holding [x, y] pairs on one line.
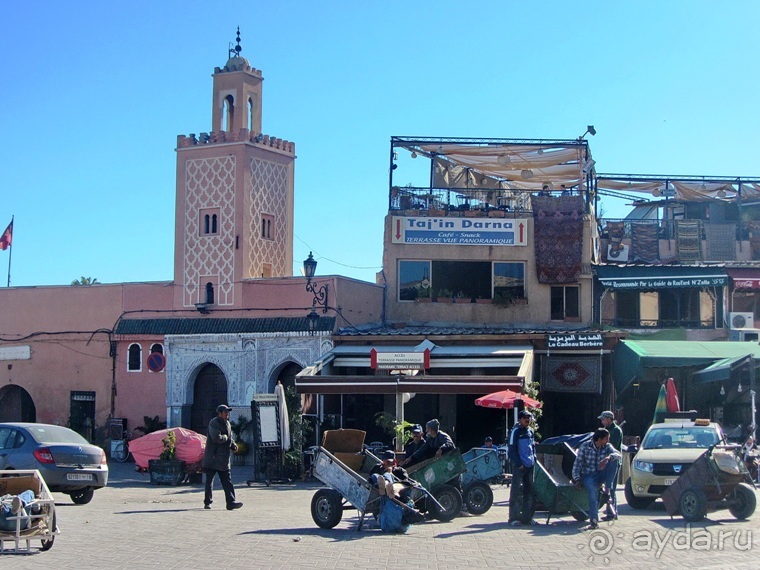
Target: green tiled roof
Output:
{"points": [[220, 326]]}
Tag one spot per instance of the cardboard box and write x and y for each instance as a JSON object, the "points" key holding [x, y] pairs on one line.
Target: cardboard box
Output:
{"points": [[343, 440]]}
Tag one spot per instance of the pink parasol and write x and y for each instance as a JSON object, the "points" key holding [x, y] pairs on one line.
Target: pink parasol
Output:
{"points": [[671, 396], [189, 447]]}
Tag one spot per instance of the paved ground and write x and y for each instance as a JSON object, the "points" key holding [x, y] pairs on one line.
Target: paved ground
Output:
{"points": [[132, 524]]}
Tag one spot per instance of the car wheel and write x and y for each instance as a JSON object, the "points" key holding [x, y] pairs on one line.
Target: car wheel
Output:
{"points": [[693, 505], [745, 502], [326, 508], [478, 497], [636, 503], [450, 499], [82, 496]]}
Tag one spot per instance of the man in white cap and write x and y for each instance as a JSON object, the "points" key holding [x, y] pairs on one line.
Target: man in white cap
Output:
{"points": [[216, 457], [616, 440]]}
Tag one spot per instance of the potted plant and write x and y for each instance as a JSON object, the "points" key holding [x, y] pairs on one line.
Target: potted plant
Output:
{"points": [[480, 300], [167, 469], [461, 298], [423, 295], [445, 296], [238, 427]]}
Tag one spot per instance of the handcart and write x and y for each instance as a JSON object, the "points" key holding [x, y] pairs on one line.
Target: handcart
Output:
{"points": [[483, 467], [718, 479], [439, 476], [553, 484], [348, 489], [343, 464], [38, 522]]}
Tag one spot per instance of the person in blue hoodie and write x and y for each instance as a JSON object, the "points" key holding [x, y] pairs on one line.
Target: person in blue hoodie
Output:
{"points": [[521, 451]]}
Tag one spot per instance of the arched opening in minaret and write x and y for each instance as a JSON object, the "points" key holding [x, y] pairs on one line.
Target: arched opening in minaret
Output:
{"points": [[250, 114], [209, 293], [229, 113], [213, 224]]}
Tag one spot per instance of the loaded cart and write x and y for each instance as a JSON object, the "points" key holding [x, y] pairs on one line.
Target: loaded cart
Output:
{"points": [[718, 479], [36, 522], [345, 472]]}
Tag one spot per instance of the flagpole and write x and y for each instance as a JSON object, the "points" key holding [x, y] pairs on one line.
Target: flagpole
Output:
{"points": [[10, 255]]}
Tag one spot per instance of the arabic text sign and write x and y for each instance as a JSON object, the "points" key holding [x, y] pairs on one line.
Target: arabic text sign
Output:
{"points": [[575, 340]]}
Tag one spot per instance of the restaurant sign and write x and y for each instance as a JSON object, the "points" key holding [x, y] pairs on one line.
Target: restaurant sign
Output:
{"points": [[459, 231], [663, 282], [575, 340], [399, 360]]}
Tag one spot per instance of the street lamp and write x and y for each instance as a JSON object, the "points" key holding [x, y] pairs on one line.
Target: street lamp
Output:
{"points": [[320, 294], [313, 320]]}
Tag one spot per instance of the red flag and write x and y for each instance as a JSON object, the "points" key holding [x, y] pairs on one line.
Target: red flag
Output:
{"points": [[6, 238]]}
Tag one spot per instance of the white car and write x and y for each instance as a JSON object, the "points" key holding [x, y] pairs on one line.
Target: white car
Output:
{"points": [[666, 450]]}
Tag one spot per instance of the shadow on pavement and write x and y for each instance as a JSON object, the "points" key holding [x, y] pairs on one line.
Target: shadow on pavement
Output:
{"points": [[340, 535]]}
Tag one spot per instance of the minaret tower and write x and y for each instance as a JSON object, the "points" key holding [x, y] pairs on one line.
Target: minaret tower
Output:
{"points": [[234, 214]]}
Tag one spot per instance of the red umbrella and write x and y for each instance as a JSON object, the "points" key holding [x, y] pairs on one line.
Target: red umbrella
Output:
{"points": [[671, 396], [506, 399]]}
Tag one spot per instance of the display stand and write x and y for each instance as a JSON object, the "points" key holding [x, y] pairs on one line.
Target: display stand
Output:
{"points": [[267, 441]]}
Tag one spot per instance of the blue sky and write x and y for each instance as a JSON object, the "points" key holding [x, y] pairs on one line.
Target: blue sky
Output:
{"points": [[94, 95]]}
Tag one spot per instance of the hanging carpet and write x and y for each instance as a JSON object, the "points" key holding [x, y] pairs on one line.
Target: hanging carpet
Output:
{"points": [[578, 374], [721, 242], [645, 242], [688, 241], [558, 233]]}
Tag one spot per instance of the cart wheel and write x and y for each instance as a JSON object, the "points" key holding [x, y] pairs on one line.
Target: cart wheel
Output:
{"points": [[326, 508], [636, 503], [580, 516], [693, 504], [83, 496], [745, 502], [48, 544], [450, 499], [478, 497]]}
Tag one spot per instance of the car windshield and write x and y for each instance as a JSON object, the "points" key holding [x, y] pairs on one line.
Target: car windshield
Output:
{"points": [[680, 437], [56, 434]]}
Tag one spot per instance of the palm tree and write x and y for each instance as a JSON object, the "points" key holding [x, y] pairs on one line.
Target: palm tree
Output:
{"points": [[86, 281]]}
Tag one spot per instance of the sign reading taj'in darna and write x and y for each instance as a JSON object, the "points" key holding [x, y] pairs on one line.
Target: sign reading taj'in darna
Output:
{"points": [[575, 340], [459, 231]]}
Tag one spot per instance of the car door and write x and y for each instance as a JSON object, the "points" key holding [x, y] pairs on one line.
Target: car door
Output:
{"points": [[7, 441]]}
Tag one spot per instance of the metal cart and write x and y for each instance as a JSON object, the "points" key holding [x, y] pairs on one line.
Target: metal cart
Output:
{"points": [[440, 477], [718, 479], [553, 486], [348, 489], [39, 523], [483, 467]]}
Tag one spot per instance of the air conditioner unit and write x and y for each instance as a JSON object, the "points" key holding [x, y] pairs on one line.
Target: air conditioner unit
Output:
{"points": [[741, 321], [749, 335], [619, 253]]}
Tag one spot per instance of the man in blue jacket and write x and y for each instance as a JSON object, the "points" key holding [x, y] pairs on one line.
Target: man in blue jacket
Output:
{"points": [[521, 451]]}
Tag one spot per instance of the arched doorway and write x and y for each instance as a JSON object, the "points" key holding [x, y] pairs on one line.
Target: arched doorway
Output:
{"points": [[209, 391], [286, 375], [16, 405]]}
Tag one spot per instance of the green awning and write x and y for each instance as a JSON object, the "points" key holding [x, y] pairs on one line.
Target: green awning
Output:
{"points": [[631, 358], [720, 371]]}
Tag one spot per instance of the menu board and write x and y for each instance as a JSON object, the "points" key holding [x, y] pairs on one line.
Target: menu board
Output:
{"points": [[267, 417]]}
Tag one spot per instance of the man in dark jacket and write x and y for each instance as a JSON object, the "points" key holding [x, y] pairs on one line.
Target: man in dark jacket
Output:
{"points": [[522, 459], [616, 440], [216, 457], [417, 440], [437, 443]]}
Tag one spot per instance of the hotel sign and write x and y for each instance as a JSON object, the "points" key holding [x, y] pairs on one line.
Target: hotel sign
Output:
{"points": [[575, 340], [459, 231], [399, 360]]}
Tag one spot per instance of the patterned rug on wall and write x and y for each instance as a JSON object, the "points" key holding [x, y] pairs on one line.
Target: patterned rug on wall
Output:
{"points": [[721, 242], [688, 241], [577, 374], [645, 242], [558, 231]]}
